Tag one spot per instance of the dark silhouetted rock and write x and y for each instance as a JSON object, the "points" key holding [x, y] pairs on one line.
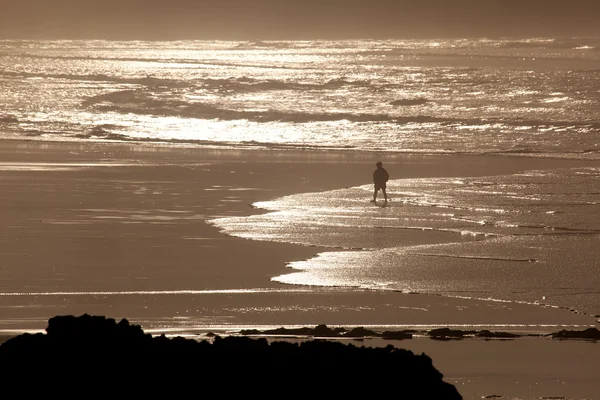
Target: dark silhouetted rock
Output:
{"points": [[454, 334], [318, 331], [322, 331], [396, 335], [98, 355], [361, 332], [589, 334], [449, 334], [496, 335]]}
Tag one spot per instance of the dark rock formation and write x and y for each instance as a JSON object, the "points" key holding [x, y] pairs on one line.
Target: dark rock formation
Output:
{"points": [[589, 334], [104, 354], [396, 335], [319, 331], [449, 334], [361, 333], [496, 335], [322, 331], [452, 334]]}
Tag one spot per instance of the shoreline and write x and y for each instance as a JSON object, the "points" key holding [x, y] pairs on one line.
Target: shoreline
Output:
{"points": [[120, 230], [221, 177], [292, 151], [526, 367]]}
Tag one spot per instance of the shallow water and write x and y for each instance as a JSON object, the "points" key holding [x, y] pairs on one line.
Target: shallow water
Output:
{"points": [[530, 237]]}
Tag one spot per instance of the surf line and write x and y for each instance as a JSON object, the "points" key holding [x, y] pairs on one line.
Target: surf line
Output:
{"points": [[156, 292]]}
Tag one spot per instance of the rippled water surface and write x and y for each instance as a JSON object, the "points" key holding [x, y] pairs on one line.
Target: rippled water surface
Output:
{"points": [[533, 96], [531, 237]]}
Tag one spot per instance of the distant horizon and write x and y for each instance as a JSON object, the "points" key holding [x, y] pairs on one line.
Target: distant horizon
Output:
{"points": [[249, 20], [258, 40]]}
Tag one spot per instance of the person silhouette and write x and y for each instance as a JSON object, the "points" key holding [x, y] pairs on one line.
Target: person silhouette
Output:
{"points": [[380, 178]]}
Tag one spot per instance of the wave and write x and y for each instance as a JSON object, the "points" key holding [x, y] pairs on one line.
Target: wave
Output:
{"points": [[134, 102], [246, 85], [468, 257], [390, 47], [261, 44], [148, 81], [581, 53], [197, 62], [141, 102], [102, 131], [491, 56], [103, 135], [228, 85], [556, 43], [99, 58]]}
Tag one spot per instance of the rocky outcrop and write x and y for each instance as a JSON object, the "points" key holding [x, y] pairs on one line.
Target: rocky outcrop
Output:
{"points": [[104, 352], [453, 334], [587, 334], [323, 331]]}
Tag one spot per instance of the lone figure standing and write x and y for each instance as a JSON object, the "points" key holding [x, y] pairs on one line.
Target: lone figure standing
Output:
{"points": [[380, 178]]}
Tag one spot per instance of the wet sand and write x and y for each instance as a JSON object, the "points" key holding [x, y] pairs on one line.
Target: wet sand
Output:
{"points": [[120, 231]]}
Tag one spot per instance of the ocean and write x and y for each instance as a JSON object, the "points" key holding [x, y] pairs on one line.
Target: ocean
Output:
{"points": [[531, 237], [534, 96]]}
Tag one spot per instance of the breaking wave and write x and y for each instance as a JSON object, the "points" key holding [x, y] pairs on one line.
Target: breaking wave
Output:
{"points": [[142, 102]]}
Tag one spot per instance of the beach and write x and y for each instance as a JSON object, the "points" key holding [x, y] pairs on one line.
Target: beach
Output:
{"points": [[122, 231]]}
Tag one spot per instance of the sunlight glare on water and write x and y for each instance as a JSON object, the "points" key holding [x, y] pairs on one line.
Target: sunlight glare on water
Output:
{"points": [[532, 96], [496, 237]]}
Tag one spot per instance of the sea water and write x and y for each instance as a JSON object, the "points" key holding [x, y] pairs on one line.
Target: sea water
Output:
{"points": [[535, 96], [530, 237]]}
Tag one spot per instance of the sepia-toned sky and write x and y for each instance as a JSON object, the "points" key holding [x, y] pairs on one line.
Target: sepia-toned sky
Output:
{"points": [[296, 19]]}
